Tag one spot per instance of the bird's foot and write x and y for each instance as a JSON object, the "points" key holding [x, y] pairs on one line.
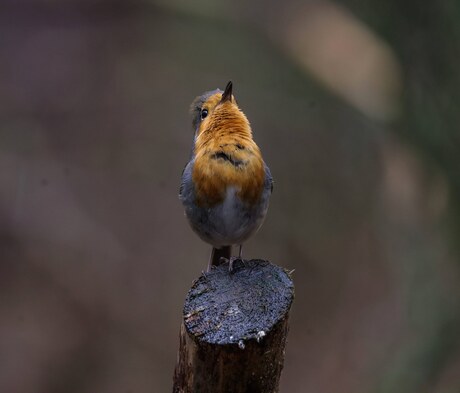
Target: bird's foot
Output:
{"points": [[231, 261]]}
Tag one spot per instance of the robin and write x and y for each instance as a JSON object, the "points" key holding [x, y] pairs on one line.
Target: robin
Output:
{"points": [[226, 185]]}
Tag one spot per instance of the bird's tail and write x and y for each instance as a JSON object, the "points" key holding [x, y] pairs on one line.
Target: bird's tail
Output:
{"points": [[217, 254]]}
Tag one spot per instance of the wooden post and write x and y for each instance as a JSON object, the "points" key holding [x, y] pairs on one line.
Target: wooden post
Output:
{"points": [[234, 330]]}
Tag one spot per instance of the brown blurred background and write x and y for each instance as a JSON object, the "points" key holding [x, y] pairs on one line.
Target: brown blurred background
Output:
{"points": [[355, 106]]}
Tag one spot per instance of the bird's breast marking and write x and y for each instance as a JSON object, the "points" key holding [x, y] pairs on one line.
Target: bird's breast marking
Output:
{"points": [[220, 155]]}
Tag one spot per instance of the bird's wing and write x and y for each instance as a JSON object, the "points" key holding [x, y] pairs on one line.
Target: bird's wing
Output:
{"points": [[268, 179], [186, 183]]}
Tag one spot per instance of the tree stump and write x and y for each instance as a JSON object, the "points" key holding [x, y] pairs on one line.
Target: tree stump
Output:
{"points": [[234, 330]]}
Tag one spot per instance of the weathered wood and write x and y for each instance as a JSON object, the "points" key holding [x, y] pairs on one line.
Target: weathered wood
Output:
{"points": [[234, 330]]}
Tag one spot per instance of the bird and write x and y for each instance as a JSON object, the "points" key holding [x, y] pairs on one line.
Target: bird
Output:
{"points": [[226, 185]]}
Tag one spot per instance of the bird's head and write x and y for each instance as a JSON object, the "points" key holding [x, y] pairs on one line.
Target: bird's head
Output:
{"points": [[216, 113]]}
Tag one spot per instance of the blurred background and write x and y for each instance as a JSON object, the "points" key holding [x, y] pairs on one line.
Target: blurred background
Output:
{"points": [[355, 107]]}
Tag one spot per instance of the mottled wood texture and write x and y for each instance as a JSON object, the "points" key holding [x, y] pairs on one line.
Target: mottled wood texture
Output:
{"points": [[234, 330]]}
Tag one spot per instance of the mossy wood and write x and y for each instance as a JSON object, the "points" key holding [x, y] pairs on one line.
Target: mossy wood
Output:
{"points": [[234, 330]]}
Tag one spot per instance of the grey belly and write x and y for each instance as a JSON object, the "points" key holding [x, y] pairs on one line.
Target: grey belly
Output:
{"points": [[231, 222]]}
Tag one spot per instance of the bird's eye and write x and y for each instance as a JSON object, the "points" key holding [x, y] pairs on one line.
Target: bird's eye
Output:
{"points": [[204, 113]]}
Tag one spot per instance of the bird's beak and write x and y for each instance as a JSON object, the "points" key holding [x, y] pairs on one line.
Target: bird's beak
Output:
{"points": [[227, 96]]}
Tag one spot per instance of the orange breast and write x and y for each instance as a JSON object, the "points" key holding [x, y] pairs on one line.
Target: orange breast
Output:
{"points": [[226, 162]]}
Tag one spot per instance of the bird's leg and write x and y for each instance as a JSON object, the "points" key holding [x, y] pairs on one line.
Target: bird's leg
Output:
{"points": [[223, 259], [233, 259], [211, 257], [219, 255]]}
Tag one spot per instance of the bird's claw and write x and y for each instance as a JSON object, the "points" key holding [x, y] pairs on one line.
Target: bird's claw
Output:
{"points": [[231, 261]]}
